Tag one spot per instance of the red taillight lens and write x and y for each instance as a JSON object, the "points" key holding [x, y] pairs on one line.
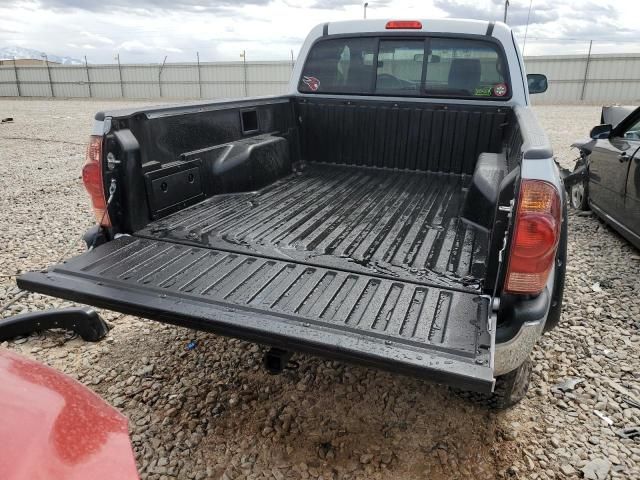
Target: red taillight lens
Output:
{"points": [[403, 25], [536, 235], [93, 182]]}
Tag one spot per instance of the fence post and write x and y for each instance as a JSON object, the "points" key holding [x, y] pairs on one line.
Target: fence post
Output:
{"points": [[15, 72], [244, 65], [160, 75], [199, 80], [46, 59], [586, 71], [120, 74], [86, 66]]}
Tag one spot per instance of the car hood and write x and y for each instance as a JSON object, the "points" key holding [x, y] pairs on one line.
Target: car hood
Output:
{"points": [[53, 427]]}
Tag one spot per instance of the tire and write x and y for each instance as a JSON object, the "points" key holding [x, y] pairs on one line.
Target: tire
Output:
{"points": [[579, 192], [579, 195], [510, 389]]}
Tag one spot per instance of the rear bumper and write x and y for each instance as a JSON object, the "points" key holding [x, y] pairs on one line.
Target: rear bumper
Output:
{"points": [[512, 353], [528, 319]]}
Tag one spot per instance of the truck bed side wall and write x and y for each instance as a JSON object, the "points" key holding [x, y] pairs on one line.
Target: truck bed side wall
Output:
{"points": [[186, 154], [409, 135]]}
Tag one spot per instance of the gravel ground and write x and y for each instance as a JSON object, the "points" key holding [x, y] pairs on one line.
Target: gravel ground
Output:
{"points": [[212, 412]]}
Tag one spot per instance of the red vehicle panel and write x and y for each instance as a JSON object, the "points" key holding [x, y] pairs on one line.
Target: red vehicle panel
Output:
{"points": [[52, 427]]}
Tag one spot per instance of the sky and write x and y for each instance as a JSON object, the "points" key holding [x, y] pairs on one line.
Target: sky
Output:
{"points": [[143, 31]]}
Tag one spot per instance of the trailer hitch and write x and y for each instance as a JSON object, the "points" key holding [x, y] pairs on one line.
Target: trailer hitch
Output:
{"points": [[82, 320], [276, 360]]}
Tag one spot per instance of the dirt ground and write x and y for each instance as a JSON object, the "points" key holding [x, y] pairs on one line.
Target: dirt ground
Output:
{"points": [[213, 412]]}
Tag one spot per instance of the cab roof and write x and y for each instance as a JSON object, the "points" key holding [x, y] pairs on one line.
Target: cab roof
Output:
{"points": [[442, 25]]}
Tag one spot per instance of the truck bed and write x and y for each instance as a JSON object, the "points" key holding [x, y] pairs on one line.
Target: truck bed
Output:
{"points": [[363, 264], [404, 225]]}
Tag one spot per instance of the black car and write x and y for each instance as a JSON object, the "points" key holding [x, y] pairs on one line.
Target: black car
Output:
{"points": [[606, 178]]}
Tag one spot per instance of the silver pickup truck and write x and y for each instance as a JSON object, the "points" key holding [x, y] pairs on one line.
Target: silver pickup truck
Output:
{"points": [[398, 207]]}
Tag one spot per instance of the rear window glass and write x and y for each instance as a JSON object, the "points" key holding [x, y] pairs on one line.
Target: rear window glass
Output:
{"points": [[339, 66], [446, 67], [458, 67], [400, 66]]}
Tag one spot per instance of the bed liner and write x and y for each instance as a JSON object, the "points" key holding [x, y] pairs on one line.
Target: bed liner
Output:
{"points": [[387, 323], [400, 223], [372, 266]]}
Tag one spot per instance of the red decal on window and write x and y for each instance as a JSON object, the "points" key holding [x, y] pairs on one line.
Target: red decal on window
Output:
{"points": [[500, 90], [312, 82]]}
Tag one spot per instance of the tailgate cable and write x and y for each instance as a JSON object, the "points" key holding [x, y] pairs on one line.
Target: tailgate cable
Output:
{"points": [[112, 192], [493, 304]]}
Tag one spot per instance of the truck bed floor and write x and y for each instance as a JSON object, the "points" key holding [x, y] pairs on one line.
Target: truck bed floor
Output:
{"points": [[400, 224]]}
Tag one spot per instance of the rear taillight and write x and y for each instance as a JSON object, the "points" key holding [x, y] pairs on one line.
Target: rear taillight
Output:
{"points": [[403, 25], [93, 181], [535, 240]]}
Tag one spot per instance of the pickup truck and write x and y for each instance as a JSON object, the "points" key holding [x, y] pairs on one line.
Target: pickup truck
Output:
{"points": [[399, 207]]}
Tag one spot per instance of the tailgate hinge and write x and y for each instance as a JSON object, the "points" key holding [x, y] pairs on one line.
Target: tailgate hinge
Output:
{"points": [[112, 161]]}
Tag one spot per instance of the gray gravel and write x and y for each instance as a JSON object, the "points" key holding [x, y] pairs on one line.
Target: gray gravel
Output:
{"points": [[212, 412]]}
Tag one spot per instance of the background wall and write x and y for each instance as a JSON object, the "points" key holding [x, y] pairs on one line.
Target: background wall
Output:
{"points": [[602, 78], [593, 79]]}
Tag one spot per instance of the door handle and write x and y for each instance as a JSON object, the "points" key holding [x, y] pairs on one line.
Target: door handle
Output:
{"points": [[623, 157]]}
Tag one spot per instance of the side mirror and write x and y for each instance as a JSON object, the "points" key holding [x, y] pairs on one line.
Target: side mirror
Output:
{"points": [[435, 59], [601, 131], [537, 83]]}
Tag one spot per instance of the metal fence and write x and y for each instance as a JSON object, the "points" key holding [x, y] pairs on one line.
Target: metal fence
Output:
{"points": [[572, 79], [591, 79], [172, 80]]}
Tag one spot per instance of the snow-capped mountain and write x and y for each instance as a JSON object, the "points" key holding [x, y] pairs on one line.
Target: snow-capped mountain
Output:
{"points": [[8, 53]]}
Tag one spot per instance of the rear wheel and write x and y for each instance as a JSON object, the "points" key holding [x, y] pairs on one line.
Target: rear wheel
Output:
{"points": [[510, 389]]}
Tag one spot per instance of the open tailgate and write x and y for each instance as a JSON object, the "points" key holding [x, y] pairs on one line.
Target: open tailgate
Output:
{"points": [[376, 320]]}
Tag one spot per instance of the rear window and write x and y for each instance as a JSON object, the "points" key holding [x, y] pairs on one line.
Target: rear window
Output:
{"points": [[339, 66], [460, 67], [400, 66], [440, 67]]}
